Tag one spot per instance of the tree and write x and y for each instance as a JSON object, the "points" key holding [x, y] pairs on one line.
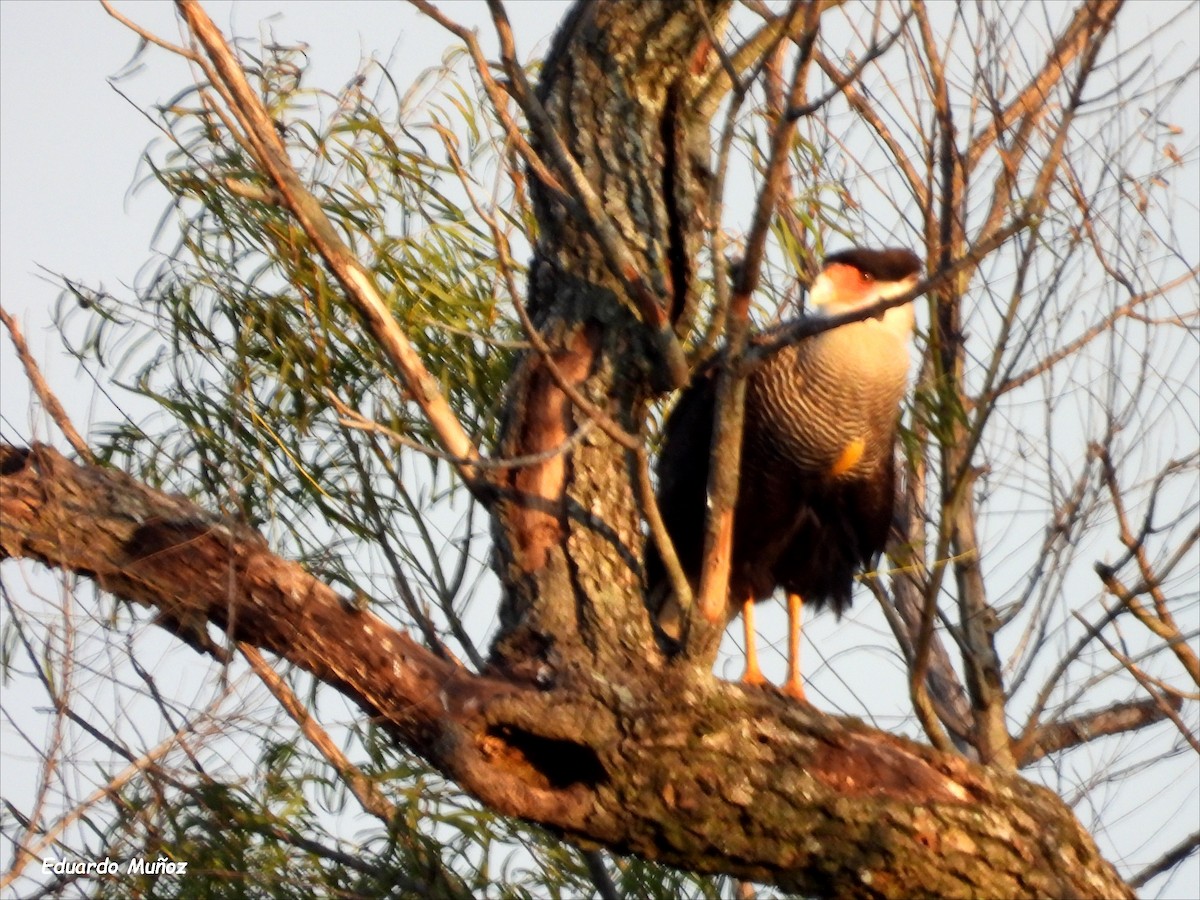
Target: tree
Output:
{"points": [[354, 370]]}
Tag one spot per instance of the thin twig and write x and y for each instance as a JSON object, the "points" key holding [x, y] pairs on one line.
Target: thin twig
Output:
{"points": [[1091, 334], [364, 789], [876, 50], [1145, 682], [42, 389], [1031, 102], [504, 258], [151, 38], [353, 419], [582, 197], [1163, 625], [680, 585], [725, 453]]}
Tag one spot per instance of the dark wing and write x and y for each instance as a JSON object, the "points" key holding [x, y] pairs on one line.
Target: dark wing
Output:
{"points": [[682, 471], [841, 528]]}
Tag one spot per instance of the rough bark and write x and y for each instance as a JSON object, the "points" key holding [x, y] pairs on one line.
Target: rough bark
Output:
{"points": [[676, 766], [568, 529]]}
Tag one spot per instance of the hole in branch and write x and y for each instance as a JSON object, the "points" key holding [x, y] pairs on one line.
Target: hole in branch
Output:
{"points": [[551, 762], [12, 460]]}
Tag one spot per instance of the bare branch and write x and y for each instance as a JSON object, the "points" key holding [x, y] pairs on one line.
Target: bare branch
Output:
{"points": [[42, 389], [1163, 624], [1168, 860], [712, 598], [1066, 734], [1091, 17], [584, 198], [1164, 704]]}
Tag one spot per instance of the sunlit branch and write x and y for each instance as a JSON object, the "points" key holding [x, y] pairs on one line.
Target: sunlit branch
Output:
{"points": [[40, 387], [350, 273], [725, 452]]}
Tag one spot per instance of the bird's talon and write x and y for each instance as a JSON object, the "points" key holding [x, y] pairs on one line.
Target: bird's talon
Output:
{"points": [[754, 678], [795, 690]]}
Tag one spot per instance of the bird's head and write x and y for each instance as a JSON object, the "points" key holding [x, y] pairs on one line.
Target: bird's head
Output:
{"points": [[853, 279]]}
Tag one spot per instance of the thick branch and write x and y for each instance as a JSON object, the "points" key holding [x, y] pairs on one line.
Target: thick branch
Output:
{"points": [[1116, 719], [684, 769]]}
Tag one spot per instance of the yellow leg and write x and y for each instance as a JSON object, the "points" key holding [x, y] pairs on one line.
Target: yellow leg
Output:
{"points": [[794, 686], [753, 674]]}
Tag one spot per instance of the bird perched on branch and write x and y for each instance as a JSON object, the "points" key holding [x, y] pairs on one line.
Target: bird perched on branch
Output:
{"points": [[817, 481]]}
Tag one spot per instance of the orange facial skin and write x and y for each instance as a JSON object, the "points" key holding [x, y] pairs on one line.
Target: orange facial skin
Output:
{"points": [[848, 285]]}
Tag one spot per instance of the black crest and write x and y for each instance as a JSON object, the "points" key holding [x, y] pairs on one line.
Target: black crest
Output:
{"points": [[890, 264]]}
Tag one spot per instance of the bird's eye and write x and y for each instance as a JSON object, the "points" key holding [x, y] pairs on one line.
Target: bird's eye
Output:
{"points": [[866, 276]]}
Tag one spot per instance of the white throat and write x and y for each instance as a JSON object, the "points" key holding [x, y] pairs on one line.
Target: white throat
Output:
{"points": [[898, 320]]}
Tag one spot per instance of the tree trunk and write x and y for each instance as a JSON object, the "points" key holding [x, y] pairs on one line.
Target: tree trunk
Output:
{"points": [[568, 529]]}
